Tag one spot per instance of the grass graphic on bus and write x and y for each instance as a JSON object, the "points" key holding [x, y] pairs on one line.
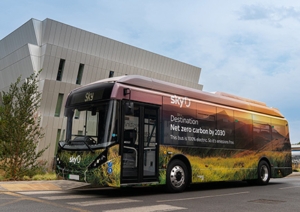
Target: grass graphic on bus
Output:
{"points": [[223, 164]]}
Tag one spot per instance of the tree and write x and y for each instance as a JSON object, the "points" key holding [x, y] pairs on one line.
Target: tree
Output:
{"points": [[20, 131]]}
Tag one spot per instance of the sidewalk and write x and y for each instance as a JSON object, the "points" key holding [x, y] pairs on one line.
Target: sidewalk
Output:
{"points": [[54, 185], [51, 185]]}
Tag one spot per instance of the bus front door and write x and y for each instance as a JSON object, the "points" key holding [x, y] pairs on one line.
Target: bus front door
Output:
{"points": [[140, 144]]}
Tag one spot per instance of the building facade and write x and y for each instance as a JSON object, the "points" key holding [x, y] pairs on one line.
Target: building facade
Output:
{"points": [[70, 57]]}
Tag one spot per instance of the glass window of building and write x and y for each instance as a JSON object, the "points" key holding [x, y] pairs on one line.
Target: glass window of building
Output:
{"points": [[79, 74], [111, 74], [60, 69], [59, 104]]}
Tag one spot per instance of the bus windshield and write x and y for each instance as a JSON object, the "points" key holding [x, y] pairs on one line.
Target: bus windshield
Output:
{"points": [[90, 127]]}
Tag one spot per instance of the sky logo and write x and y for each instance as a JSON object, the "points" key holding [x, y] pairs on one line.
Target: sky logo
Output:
{"points": [[181, 101]]}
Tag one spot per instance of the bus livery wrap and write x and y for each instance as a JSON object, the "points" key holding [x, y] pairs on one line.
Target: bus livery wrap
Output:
{"points": [[133, 130]]}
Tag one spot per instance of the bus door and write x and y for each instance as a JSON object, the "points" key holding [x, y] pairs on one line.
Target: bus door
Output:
{"points": [[140, 143]]}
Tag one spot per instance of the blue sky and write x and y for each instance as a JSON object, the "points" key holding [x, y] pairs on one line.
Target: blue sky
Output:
{"points": [[247, 48]]}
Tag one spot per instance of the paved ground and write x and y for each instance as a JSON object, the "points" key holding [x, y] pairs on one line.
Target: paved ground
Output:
{"points": [[54, 185]]}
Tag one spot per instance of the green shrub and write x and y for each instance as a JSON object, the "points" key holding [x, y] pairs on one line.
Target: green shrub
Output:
{"points": [[26, 178]]}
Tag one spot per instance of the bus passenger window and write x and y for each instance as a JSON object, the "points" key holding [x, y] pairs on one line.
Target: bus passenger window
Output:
{"points": [[225, 127], [243, 130], [130, 137], [261, 132]]}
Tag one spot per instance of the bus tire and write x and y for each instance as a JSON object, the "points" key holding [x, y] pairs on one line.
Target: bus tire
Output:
{"points": [[177, 176], [263, 172]]}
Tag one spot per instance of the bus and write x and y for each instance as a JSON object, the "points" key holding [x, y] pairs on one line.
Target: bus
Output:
{"points": [[133, 130]]}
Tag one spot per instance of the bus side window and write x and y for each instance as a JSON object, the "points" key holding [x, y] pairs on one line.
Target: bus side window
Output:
{"points": [[130, 136], [243, 130], [225, 127], [280, 136], [261, 132]]}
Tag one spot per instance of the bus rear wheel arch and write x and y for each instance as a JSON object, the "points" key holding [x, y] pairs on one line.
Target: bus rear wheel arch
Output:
{"points": [[177, 178]]}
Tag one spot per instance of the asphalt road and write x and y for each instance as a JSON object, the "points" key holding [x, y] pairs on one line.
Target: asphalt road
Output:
{"points": [[280, 195]]}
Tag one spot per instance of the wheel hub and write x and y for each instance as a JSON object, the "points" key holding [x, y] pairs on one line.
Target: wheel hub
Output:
{"points": [[264, 173], [177, 176]]}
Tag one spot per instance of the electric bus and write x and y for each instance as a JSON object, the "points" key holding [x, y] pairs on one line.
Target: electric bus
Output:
{"points": [[133, 130]]}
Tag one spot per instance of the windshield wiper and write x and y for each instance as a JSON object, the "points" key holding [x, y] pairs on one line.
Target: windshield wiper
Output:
{"points": [[84, 139], [64, 143], [85, 142]]}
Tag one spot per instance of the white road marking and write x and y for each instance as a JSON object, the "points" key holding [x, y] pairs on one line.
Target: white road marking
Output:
{"points": [[151, 208], [290, 187], [103, 202], [203, 197], [75, 196], [40, 192]]}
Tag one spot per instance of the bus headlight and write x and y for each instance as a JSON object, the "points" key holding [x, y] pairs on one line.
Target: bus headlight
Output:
{"points": [[102, 158]]}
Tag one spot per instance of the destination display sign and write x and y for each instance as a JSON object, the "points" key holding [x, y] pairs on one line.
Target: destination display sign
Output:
{"points": [[101, 92]]}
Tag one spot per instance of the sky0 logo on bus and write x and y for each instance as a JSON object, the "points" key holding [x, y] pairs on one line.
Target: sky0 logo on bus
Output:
{"points": [[75, 159], [89, 97], [181, 101]]}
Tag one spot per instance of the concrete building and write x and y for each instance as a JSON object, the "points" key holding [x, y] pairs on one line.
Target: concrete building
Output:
{"points": [[70, 57]]}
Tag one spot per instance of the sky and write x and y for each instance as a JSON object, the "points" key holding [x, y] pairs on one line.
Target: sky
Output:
{"points": [[246, 48]]}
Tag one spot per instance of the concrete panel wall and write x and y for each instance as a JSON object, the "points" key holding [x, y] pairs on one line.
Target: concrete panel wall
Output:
{"points": [[14, 65], [83, 42], [42, 44], [20, 37]]}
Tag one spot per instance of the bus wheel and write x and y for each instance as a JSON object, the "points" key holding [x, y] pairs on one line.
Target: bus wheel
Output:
{"points": [[176, 176], [263, 173]]}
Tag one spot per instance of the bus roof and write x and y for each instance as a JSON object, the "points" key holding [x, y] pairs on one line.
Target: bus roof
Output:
{"points": [[220, 98]]}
